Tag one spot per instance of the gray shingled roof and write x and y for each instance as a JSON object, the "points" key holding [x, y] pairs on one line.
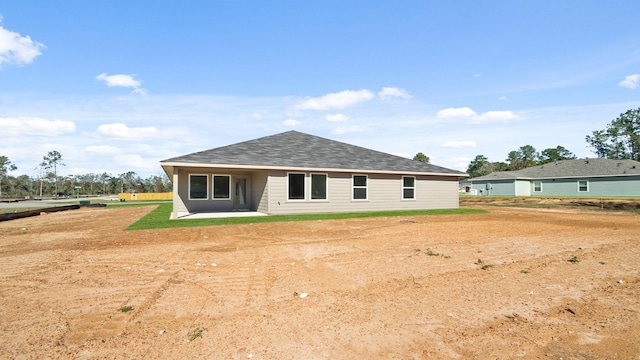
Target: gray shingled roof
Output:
{"points": [[502, 175], [294, 149], [570, 169]]}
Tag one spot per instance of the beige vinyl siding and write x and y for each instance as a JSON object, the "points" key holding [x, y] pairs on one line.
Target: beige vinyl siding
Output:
{"points": [[384, 193], [441, 192], [260, 192]]}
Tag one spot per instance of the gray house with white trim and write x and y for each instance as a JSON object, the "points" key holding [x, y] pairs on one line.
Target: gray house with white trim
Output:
{"points": [[582, 177], [293, 173]]}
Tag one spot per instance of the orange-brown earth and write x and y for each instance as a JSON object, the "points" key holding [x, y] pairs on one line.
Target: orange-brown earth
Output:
{"points": [[497, 285]]}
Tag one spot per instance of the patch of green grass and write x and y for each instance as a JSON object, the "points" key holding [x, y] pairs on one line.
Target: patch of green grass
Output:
{"points": [[159, 217], [574, 260], [195, 333], [431, 253], [126, 309], [524, 271], [484, 266]]}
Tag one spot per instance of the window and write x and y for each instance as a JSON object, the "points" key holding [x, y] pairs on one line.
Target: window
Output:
{"points": [[221, 186], [296, 186], [359, 187], [408, 187], [198, 187], [583, 185], [318, 187], [537, 186]]}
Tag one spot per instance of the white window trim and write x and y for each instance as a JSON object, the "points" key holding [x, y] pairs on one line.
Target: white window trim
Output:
{"points": [[213, 176], [353, 187], [534, 186], [189, 187], [305, 186], [409, 187], [326, 190], [581, 191]]}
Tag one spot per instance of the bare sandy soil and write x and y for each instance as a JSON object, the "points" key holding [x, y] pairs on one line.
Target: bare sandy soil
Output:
{"points": [[488, 286]]}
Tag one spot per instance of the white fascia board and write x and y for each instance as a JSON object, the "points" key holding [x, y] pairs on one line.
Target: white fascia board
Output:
{"points": [[304, 169]]}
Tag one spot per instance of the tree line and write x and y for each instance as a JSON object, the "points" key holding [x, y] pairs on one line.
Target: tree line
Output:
{"points": [[48, 183], [619, 140], [525, 156]]}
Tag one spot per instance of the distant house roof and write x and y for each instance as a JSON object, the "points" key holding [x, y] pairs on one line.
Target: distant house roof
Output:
{"points": [[569, 169], [502, 175], [296, 150]]}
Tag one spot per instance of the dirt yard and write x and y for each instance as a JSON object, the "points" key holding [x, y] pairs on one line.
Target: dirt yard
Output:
{"points": [[512, 283]]}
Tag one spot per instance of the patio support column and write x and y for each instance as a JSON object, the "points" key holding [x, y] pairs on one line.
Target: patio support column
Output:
{"points": [[174, 213]]}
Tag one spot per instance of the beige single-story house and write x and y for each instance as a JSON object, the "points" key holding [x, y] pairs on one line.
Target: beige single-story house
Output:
{"points": [[295, 173]]}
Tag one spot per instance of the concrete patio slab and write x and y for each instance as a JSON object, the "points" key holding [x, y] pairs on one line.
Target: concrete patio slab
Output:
{"points": [[218, 215]]}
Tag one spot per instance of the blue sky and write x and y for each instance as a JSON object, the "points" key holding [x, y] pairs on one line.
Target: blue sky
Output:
{"points": [[116, 86]]}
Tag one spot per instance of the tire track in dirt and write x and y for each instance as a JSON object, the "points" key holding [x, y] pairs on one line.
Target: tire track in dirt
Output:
{"points": [[374, 289]]}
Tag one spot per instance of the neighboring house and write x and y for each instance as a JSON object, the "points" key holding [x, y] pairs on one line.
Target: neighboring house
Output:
{"points": [[582, 177], [466, 186], [293, 172]]}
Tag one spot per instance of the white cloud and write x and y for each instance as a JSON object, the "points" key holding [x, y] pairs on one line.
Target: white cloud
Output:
{"points": [[101, 149], [140, 91], [496, 116], [631, 81], [478, 75], [35, 126], [291, 122], [455, 113], [340, 130], [17, 49], [459, 144], [336, 117], [122, 131], [391, 92], [338, 100], [486, 117], [121, 80], [502, 98], [135, 161]]}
